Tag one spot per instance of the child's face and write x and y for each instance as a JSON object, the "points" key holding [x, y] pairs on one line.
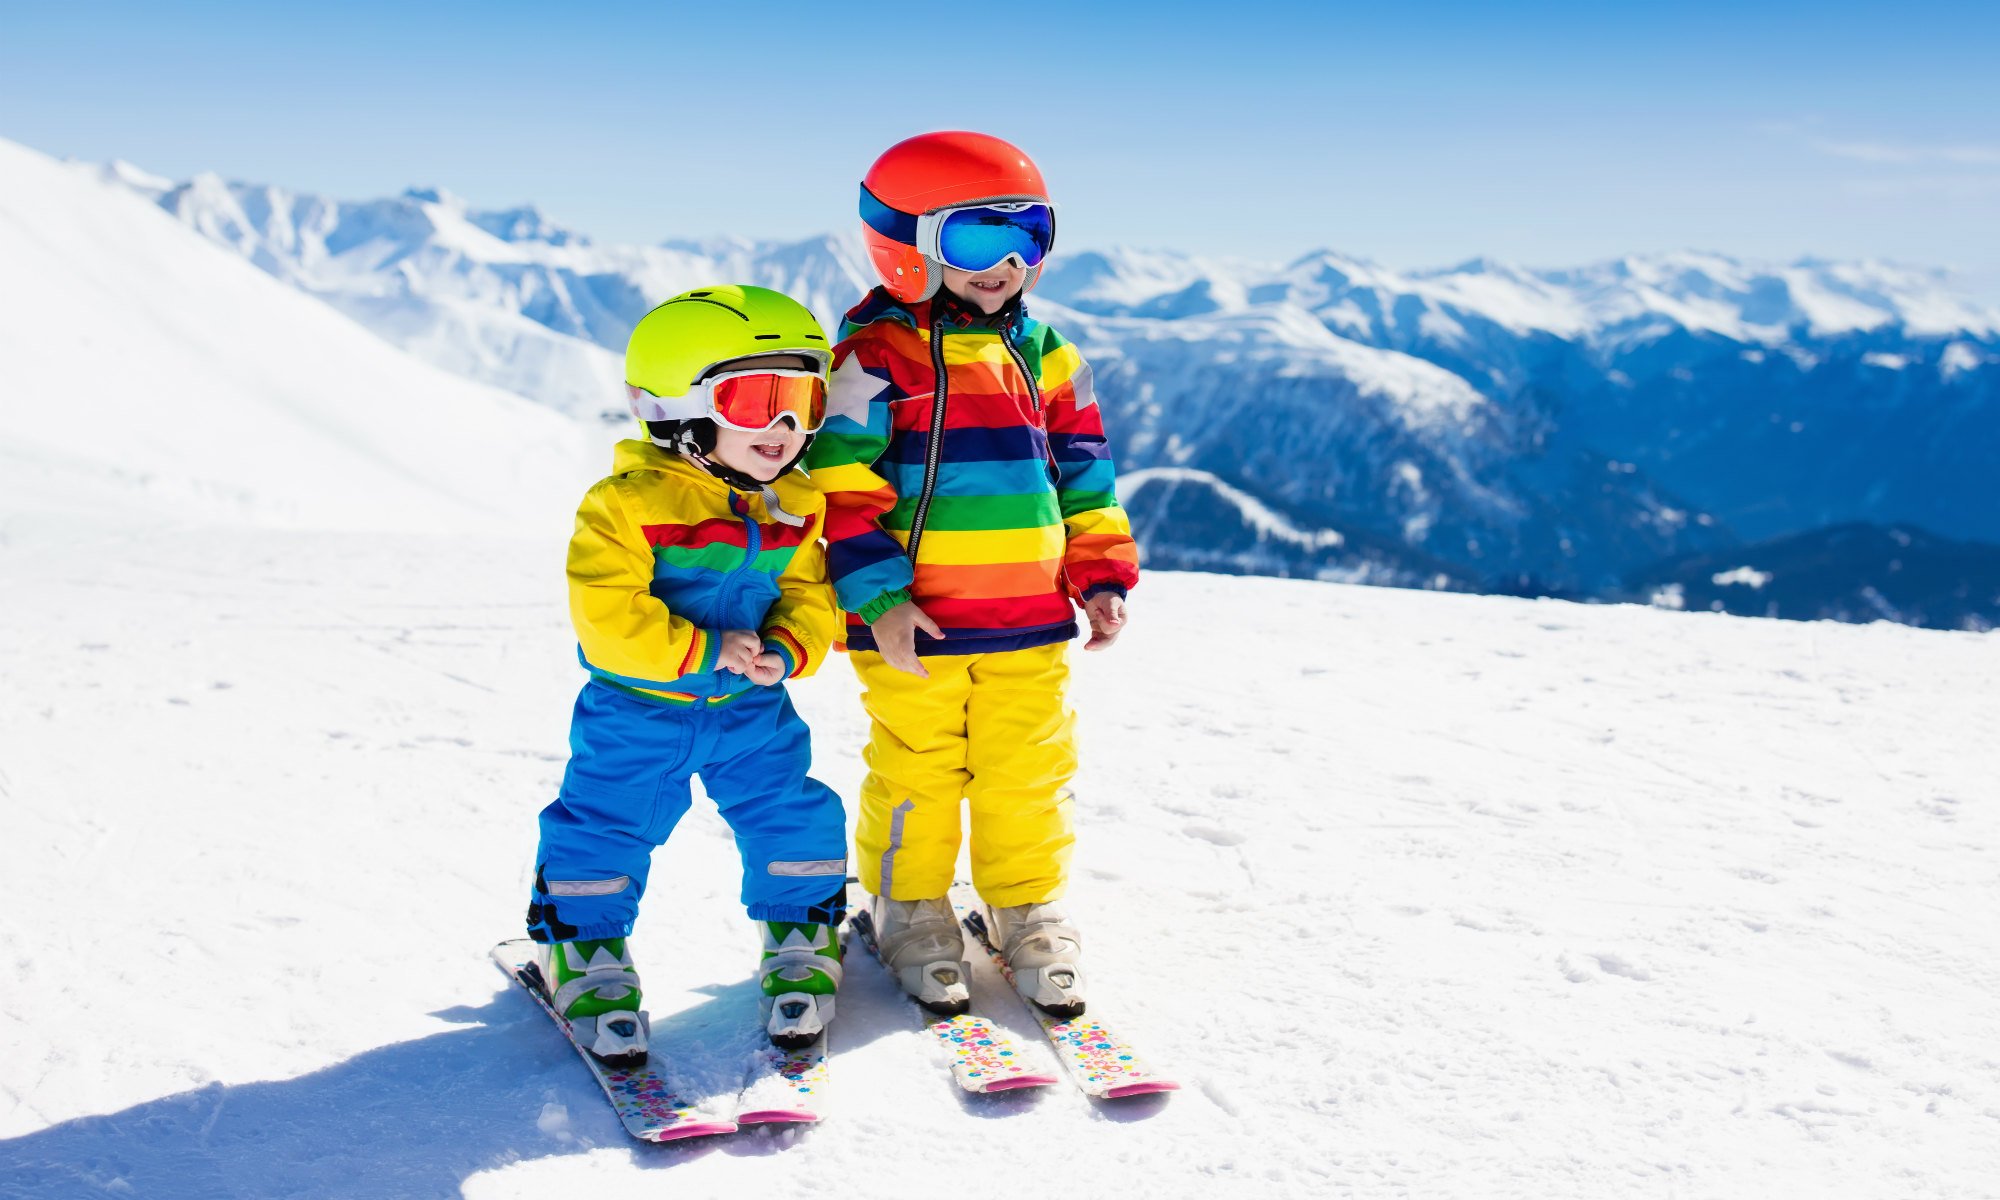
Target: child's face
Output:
{"points": [[987, 290], [759, 455], [763, 454]]}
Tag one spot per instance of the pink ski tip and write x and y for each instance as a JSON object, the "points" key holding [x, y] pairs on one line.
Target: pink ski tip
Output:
{"points": [[692, 1129], [1142, 1089], [777, 1116], [1019, 1081]]}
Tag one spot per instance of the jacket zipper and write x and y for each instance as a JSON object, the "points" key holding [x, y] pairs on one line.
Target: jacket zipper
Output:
{"points": [[1049, 454], [934, 451], [753, 541], [1034, 395], [1021, 361], [753, 536]]}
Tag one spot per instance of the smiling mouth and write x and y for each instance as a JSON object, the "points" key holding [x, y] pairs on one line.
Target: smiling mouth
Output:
{"points": [[990, 285], [769, 451]]}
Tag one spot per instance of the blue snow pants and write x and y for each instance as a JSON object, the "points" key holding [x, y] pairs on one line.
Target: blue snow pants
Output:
{"points": [[627, 786]]}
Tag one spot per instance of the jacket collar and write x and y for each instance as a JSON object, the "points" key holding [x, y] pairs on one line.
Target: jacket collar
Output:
{"points": [[632, 454], [951, 314]]}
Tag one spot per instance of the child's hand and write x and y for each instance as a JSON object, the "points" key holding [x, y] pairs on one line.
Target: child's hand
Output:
{"points": [[896, 637], [740, 647], [766, 669], [1106, 611]]}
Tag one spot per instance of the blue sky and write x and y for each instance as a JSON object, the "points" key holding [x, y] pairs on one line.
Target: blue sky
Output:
{"points": [[1414, 134]]}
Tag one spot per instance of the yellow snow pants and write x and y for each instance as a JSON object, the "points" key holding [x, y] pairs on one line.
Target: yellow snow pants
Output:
{"points": [[992, 730]]}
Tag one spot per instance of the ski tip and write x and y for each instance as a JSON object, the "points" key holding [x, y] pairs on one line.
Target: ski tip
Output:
{"points": [[778, 1116], [692, 1129], [1145, 1087], [1013, 1083]]}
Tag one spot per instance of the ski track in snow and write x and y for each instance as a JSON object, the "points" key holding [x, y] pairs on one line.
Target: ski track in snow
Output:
{"points": [[1418, 894]]}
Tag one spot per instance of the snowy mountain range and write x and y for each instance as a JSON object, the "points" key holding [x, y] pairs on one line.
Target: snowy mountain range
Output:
{"points": [[1853, 572], [1482, 426]]}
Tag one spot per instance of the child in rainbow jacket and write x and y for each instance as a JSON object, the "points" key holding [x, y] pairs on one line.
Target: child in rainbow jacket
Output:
{"points": [[697, 587], [970, 508]]}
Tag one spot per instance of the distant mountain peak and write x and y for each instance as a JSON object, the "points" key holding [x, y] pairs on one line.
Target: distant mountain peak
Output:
{"points": [[1483, 265], [435, 195], [136, 178], [525, 224]]}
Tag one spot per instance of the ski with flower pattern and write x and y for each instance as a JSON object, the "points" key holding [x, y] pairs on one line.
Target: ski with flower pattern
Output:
{"points": [[982, 1058], [1098, 1061], [651, 1106], [786, 1087]]}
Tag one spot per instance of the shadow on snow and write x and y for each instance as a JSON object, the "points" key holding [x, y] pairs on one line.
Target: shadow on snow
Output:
{"points": [[418, 1118], [414, 1118]]}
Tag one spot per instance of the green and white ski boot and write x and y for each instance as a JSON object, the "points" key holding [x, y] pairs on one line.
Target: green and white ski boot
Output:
{"points": [[595, 988], [799, 974]]}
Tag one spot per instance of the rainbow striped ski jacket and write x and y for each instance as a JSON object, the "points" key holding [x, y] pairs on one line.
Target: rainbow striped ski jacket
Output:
{"points": [[964, 465], [666, 557]]}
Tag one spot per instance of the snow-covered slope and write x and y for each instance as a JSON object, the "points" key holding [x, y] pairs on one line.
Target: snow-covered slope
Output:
{"points": [[1420, 894], [143, 368]]}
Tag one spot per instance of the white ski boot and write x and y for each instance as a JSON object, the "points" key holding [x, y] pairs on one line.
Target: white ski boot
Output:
{"points": [[799, 975], [1045, 953], [595, 988], [920, 942]]}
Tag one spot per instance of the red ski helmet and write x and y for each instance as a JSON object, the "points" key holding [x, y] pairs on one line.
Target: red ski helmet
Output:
{"points": [[940, 170]]}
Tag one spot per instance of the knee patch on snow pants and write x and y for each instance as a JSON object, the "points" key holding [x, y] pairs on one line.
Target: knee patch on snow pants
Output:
{"points": [[990, 731]]}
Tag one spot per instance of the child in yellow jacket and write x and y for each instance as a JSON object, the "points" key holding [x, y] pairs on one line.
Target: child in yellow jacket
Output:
{"points": [[697, 587], [970, 510]]}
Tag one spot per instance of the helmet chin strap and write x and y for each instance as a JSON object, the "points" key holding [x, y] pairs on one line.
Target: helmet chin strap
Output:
{"points": [[964, 313], [688, 444]]}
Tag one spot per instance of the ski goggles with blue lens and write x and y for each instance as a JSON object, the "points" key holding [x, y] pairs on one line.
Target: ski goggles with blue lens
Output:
{"points": [[980, 237], [970, 237]]}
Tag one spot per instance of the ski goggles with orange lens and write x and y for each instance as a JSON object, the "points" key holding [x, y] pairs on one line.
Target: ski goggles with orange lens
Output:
{"points": [[756, 400], [749, 401]]}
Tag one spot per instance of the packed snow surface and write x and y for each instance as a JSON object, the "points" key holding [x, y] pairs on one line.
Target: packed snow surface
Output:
{"points": [[1419, 894]]}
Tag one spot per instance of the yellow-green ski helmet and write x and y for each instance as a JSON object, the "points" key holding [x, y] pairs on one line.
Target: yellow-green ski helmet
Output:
{"points": [[690, 335], [687, 338]]}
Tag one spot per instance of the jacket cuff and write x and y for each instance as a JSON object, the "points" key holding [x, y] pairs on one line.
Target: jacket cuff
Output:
{"points": [[703, 649], [873, 610], [781, 642], [1098, 589]]}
